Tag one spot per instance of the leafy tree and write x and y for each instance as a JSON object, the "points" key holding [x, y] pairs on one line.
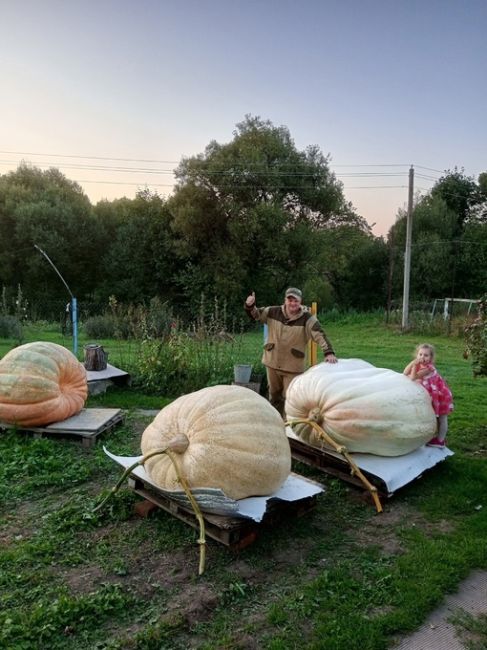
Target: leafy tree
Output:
{"points": [[246, 213], [139, 260], [448, 241], [354, 264], [47, 209]]}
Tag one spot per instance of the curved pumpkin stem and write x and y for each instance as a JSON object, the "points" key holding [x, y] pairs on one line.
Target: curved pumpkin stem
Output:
{"points": [[197, 512], [186, 488], [341, 449]]}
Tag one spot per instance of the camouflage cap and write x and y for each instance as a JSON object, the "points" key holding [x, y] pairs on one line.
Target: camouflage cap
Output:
{"points": [[296, 293]]}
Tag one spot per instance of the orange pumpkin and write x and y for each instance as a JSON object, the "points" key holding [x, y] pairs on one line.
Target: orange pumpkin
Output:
{"points": [[40, 383]]}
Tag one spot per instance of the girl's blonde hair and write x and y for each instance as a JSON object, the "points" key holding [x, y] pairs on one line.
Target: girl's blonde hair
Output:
{"points": [[427, 346]]}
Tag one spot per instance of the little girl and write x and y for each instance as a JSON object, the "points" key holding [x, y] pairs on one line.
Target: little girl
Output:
{"points": [[423, 371]]}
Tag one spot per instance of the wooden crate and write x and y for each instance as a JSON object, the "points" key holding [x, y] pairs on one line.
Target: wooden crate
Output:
{"points": [[234, 532]]}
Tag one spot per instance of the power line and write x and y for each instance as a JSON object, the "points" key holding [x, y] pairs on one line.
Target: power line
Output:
{"points": [[61, 155], [213, 172], [427, 178], [171, 162], [243, 185], [248, 186], [137, 170], [374, 187], [430, 169], [226, 173]]}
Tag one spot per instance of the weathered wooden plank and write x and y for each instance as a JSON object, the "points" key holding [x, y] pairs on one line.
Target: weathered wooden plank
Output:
{"points": [[330, 463], [234, 532], [86, 426]]}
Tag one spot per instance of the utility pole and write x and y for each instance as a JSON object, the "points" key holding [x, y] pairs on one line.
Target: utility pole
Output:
{"points": [[407, 252]]}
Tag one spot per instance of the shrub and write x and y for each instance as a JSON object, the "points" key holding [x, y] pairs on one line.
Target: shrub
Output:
{"points": [[476, 340], [10, 327], [183, 363], [160, 318], [100, 327]]}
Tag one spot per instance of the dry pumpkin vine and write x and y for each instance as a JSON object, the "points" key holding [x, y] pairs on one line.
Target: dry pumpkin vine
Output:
{"points": [[314, 421], [176, 445]]}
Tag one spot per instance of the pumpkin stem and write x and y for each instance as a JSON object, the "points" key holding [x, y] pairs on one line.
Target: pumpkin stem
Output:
{"points": [[197, 512], [343, 451], [179, 443], [315, 415], [176, 445]]}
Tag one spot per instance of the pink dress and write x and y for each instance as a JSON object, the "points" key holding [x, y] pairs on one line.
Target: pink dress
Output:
{"points": [[441, 397]]}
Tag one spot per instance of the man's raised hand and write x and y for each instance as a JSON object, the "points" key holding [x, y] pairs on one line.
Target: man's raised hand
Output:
{"points": [[250, 302]]}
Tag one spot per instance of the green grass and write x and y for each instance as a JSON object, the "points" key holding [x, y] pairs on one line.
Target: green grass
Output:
{"points": [[339, 578]]}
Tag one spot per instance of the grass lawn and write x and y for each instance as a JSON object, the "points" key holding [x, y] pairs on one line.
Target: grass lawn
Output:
{"points": [[339, 578]]}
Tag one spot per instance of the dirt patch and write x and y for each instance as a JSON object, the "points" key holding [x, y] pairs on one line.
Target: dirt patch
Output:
{"points": [[22, 521], [83, 580], [384, 529], [139, 424], [194, 603]]}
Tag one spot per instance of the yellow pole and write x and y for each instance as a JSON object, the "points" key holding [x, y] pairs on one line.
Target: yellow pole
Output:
{"points": [[312, 347]]}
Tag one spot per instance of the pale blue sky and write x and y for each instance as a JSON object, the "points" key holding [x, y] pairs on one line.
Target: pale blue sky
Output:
{"points": [[371, 82]]}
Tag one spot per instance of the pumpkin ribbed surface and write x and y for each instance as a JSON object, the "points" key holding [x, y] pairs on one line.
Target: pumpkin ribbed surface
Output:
{"points": [[233, 439], [366, 409], [40, 383]]}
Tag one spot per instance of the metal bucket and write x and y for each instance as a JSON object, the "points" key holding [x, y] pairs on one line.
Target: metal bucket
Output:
{"points": [[242, 373]]}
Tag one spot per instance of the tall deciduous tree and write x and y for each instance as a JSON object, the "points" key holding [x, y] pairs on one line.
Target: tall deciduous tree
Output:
{"points": [[139, 260], [245, 213], [45, 208], [449, 232]]}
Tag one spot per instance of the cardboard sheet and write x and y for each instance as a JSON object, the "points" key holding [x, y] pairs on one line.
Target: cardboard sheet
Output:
{"points": [[214, 500], [394, 471]]}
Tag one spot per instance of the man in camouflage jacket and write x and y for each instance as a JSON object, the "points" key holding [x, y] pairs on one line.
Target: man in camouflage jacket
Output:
{"points": [[290, 327]]}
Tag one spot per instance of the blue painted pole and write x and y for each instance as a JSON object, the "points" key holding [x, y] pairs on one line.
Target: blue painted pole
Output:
{"points": [[74, 318]]}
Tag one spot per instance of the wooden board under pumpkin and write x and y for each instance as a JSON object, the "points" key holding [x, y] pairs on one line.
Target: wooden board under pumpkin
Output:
{"points": [[235, 532], [86, 426], [386, 473]]}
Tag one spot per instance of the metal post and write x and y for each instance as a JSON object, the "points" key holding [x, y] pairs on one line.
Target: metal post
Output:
{"points": [[74, 306], [74, 318], [407, 252]]}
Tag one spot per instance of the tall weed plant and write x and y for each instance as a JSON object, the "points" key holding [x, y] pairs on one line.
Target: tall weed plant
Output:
{"points": [[182, 365], [475, 334], [13, 313], [421, 322], [185, 361], [351, 316], [124, 322]]}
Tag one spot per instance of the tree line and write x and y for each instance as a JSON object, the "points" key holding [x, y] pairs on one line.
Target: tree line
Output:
{"points": [[251, 214]]}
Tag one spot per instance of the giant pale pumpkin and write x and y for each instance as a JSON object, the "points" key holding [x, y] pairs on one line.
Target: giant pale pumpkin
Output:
{"points": [[40, 383], [226, 437], [364, 408]]}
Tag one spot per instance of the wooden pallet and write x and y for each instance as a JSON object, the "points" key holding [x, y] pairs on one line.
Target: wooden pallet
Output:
{"points": [[87, 426], [234, 532], [332, 463]]}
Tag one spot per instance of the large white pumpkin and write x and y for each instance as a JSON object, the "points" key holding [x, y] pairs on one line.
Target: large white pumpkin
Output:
{"points": [[364, 408], [229, 437]]}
